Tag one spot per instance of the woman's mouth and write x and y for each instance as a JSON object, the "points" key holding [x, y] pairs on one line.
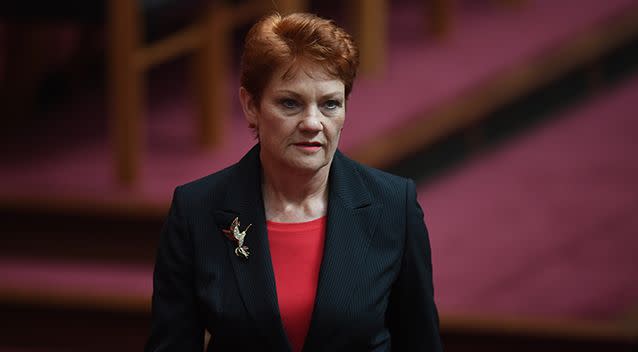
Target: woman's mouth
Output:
{"points": [[308, 146]]}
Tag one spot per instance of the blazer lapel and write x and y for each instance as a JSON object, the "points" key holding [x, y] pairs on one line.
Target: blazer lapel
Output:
{"points": [[352, 218], [255, 277]]}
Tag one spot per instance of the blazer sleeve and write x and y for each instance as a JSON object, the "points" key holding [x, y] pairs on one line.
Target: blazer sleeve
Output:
{"points": [[176, 324], [412, 315]]}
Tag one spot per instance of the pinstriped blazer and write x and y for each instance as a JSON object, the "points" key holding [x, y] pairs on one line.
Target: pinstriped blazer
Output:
{"points": [[375, 282]]}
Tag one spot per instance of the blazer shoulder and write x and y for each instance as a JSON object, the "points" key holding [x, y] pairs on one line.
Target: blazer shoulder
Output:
{"points": [[210, 186], [214, 187]]}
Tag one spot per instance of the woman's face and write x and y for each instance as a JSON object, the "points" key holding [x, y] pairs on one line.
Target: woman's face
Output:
{"points": [[299, 118]]}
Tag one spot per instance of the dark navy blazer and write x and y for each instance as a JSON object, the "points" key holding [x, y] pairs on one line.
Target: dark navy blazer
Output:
{"points": [[375, 283]]}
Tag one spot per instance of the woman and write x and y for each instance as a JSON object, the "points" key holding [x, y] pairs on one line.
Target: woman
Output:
{"points": [[295, 246]]}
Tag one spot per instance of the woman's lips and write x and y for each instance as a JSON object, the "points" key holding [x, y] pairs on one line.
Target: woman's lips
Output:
{"points": [[308, 146]]}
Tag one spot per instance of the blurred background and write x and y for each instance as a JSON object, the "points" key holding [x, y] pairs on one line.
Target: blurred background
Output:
{"points": [[518, 120]]}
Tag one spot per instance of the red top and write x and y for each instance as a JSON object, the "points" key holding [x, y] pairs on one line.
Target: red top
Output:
{"points": [[296, 250]]}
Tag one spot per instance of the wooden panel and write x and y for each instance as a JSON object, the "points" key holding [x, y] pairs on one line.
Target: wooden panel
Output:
{"points": [[210, 66], [125, 89], [440, 14], [369, 21], [176, 44]]}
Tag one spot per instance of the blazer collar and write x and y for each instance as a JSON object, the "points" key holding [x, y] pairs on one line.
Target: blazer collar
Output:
{"points": [[351, 221], [255, 277], [352, 218]]}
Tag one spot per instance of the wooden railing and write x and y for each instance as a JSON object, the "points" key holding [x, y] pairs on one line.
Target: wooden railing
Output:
{"points": [[206, 40]]}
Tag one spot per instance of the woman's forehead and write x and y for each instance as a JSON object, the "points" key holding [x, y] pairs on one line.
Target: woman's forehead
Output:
{"points": [[305, 76]]}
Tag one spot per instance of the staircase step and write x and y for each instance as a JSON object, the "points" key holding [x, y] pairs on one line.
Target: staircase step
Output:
{"points": [[74, 305], [80, 236], [77, 285]]}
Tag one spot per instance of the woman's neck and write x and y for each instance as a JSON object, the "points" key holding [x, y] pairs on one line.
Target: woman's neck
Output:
{"points": [[293, 196]]}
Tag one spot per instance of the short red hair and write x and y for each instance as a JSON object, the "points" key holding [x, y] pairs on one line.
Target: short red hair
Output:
{"points": [[300, 37]]}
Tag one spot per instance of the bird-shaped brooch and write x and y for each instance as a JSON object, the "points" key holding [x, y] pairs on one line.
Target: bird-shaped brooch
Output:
{"points": [[237, 236]]}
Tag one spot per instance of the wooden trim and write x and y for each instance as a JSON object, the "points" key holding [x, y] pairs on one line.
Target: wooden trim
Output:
{"points": [[76, 299], [125, 89], [568, 329], [132, 207], [174, 45], [210, 68], [440, 17], [369, 21], [195, 36]]}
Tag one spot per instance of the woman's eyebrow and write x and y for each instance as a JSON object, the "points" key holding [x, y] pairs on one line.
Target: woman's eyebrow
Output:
{"points": [[329, 95], [333, 95], [289, 92]]}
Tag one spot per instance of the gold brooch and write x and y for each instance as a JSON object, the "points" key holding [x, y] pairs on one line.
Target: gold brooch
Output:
{"points": [[237, 236]]}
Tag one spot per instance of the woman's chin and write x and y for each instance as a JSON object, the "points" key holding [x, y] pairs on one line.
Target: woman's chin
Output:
{"points": [[308, 163]]}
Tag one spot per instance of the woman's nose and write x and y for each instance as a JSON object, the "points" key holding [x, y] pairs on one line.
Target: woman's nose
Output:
{"points": [[311, 121]]}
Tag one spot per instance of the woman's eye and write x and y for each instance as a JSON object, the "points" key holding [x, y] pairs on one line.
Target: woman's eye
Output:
{"points": [[332, 104], [289, 103]]}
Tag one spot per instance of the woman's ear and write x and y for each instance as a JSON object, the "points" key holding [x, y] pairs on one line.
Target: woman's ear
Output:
{"points": [[249, 106]]}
